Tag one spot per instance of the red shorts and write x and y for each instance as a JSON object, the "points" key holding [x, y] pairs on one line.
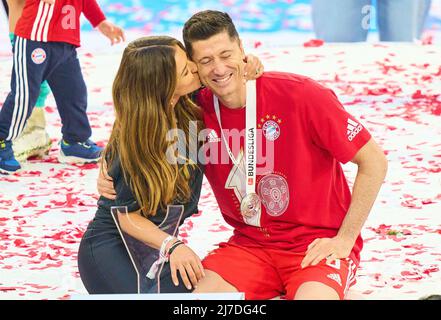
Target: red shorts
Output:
{"points": [[267, 273]]}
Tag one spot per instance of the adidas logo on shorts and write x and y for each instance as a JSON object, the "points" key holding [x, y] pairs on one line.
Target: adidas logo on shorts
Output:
{"points": [[335, 277]]}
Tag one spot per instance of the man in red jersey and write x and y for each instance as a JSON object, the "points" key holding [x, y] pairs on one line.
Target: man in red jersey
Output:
{"points": [[296, 225], [297, 233], [47, 35]]}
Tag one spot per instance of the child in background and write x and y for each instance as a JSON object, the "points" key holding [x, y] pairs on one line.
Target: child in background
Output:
{"points": [[34, 140], [46, 37]]}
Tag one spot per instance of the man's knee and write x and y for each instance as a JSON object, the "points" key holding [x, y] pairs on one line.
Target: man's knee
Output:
{"points": [[313, 290], [212, 282]]}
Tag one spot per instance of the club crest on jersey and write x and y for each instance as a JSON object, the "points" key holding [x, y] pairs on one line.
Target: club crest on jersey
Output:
{"points": [[270, 126], [273, 189], [38, 56]]}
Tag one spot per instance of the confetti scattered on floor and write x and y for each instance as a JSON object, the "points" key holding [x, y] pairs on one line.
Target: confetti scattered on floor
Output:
{"points": [[395, 90]]}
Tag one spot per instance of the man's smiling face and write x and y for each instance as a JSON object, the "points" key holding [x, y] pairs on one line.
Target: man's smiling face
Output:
{"points": [[220, 62]]}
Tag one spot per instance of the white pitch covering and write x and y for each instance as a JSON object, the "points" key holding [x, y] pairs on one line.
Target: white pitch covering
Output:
{"points": [[391, 89]]}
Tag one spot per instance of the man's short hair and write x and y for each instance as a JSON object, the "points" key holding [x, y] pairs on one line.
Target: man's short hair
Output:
{"points": [[205, 24]]}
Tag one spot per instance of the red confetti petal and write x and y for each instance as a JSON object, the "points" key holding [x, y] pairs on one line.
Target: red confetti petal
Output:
{"points": [[313, 43]]}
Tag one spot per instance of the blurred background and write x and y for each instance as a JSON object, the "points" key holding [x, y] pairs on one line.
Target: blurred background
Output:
{"points": [[266, 23]]}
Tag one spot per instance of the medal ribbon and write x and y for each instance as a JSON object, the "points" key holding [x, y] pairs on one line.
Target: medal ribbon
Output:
{"points": [[250, 136]]}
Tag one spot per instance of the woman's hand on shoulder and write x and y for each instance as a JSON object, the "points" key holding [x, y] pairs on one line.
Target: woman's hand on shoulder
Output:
{"points": [[253, 67]]}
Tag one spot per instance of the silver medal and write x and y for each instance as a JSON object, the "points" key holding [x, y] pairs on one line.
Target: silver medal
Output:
{"points": [[250, 205]]}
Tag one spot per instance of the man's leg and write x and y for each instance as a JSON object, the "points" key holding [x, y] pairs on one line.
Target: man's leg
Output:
{"points": [[212, 282], [234, 268], [341, 21], [324, 281], [316, 291], [402, 20]]}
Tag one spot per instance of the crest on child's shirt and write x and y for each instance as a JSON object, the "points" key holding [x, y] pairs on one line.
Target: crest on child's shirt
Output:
{"points": [[38, 56], [270, 126]]}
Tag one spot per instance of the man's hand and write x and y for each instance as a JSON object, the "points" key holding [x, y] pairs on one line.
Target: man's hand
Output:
{"points": [[48, 1], [105, 184], [253, 68], [111, 31], [327, 248], [189, 265]]}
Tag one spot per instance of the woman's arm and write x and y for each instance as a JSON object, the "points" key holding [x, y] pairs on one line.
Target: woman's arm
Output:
{"points": [[183, 258], [142, 229]]}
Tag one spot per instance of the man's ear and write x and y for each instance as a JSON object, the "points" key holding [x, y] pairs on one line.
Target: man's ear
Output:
{"points": [[241, 49]]}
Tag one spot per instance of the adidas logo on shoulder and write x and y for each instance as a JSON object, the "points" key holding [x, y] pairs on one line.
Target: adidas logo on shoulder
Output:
{"points": [[353, 129]]}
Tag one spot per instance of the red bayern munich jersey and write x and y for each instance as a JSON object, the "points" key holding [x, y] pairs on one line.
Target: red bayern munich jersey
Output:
{"points": [[59, 22], [305, 195]]}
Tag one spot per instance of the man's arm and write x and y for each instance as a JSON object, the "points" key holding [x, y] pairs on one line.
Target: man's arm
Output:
{"points": [[104, 184], [372, 168]]}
